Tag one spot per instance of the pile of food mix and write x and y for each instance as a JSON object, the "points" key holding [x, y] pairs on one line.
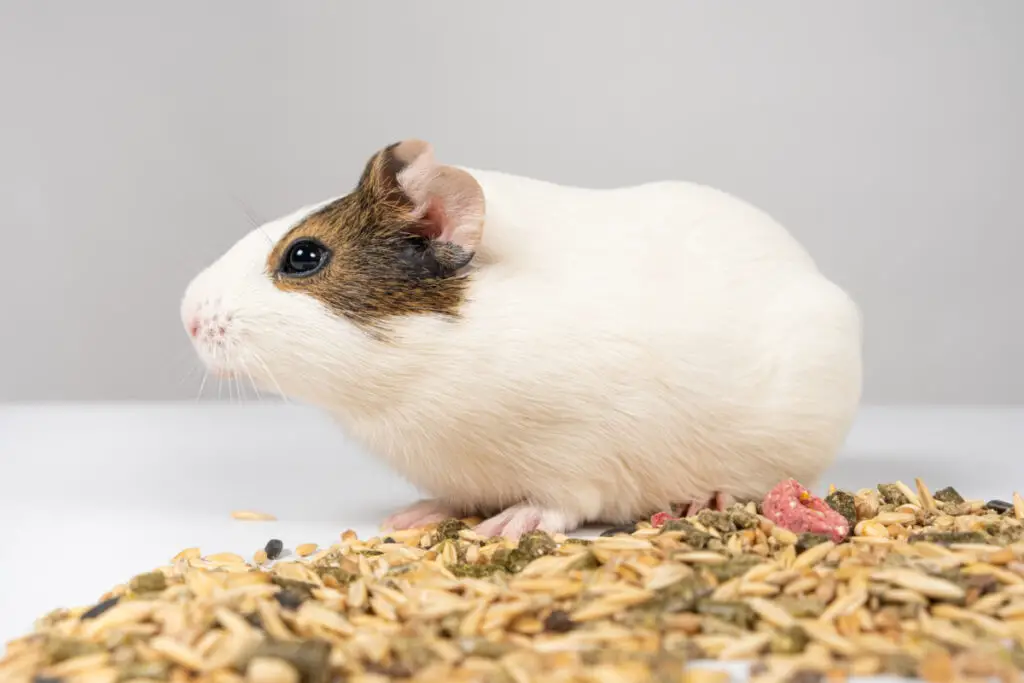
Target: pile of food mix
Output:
{"points": [[888, 580]]}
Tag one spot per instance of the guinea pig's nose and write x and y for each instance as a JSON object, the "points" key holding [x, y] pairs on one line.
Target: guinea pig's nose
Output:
{"points": [[193, 327]]}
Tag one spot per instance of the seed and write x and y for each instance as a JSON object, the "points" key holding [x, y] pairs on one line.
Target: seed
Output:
{"points": [[273, 548], [746, 647], [784, 536], [225, 558], [999, 506], [558, 622], [616, 530], [871, 528], [771, 612], [186, 554], [927, 501], [99, 609], [177, 653], [929, 586], [270, 670], [931, 579], [252, 516], [703, 676], [1018, 506], [888, 518], [703, 557], [813, 555]]}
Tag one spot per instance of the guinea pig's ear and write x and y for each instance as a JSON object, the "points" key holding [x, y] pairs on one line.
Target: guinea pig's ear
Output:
{"points": [[445, 203]]}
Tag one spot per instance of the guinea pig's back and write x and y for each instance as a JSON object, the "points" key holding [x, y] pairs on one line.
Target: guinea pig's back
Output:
{"points": [[666, 299]]}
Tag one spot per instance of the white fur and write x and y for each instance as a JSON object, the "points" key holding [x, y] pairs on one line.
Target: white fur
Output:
{"points": [[620, 350]]}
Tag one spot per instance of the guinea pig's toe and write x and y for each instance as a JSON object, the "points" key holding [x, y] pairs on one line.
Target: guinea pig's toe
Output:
{"points": [[718, 501], [524, 518], [420, 513]]}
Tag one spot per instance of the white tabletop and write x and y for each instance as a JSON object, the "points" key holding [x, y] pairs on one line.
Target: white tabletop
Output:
{"points": [[92, 494]]}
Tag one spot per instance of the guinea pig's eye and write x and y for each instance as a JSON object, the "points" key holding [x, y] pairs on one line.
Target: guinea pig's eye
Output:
{"points": [[304, 257]]}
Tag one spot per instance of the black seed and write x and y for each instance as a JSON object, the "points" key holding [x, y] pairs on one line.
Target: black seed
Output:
{"points": [[273, 549], [559, 622], [255, 620], [621, 529], [99, 609], [289, 599], [388, 539], [999, 506]]}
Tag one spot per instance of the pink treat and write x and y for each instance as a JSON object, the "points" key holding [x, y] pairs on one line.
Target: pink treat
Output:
{"points": [[792, 507], [660, 518]]}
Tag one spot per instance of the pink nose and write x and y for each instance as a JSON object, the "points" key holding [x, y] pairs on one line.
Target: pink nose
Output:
{"points": [[193, 328]]}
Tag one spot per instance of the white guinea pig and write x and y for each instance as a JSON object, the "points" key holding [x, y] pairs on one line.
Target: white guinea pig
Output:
{"points": [[539, 355]]}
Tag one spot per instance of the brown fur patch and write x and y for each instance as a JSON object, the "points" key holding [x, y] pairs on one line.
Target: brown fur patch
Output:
{"points": [[382, 263]]}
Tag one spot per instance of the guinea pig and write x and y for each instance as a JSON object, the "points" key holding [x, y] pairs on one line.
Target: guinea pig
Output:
{"points": [[543, 356]]}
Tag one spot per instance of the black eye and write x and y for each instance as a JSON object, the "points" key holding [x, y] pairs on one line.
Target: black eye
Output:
{"points": [[304, 257]]}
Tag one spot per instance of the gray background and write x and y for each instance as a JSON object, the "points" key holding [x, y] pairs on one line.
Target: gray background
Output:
{"points": [[885, 135]]}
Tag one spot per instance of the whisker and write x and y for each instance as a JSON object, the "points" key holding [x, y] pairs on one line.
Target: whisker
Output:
{"points": [[202, 385], [186, 376], [252, 381], [280, 392], [253, 221]]}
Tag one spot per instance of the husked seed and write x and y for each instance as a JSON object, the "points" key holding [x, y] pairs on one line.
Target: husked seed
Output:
{"points": [[929, 584], [252, 516], [270, 670]]}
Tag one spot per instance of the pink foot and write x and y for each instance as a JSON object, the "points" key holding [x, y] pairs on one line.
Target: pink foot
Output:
{"points": [[719, 501], [523, 518], [419, 514]]}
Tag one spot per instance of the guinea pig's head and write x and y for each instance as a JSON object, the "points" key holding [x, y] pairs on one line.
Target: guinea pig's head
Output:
{"points": [[298, 303]]}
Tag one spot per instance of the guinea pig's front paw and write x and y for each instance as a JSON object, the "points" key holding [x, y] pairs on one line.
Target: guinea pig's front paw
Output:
{"points": [[523, 518], [419, 514]]}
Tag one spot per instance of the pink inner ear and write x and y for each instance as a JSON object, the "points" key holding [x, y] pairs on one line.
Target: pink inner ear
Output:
{"points": [[435, 220], [449, 202]]}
